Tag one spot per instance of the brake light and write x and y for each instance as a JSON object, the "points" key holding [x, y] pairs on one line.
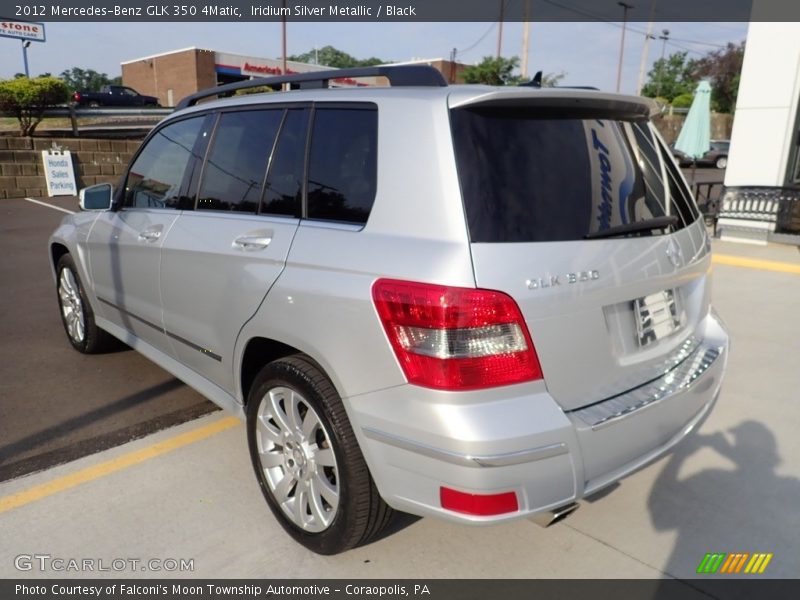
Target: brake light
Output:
{"points": [[453, 338], [478, 504]]}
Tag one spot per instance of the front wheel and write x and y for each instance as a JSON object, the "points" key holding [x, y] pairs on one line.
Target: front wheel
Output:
{"points": [[307, 460], [76, 313], [722, 162]]}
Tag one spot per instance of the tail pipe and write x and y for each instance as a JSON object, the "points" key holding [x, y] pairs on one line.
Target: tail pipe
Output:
{"points": [[551, 517]]}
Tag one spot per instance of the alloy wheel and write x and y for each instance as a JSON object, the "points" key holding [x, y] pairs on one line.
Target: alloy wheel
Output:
{"points": [[71, 306], [297, 459]]}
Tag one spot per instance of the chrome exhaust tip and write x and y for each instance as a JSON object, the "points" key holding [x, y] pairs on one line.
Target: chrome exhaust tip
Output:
{"points": [[551, 517]]}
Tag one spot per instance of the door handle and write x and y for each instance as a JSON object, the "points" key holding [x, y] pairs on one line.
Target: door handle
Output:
{"points": [[252, 242], [150, 235]]}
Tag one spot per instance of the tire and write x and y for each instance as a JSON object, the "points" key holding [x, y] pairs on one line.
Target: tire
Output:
{"points": [[721, 162], [311, 459], [76, 312]]}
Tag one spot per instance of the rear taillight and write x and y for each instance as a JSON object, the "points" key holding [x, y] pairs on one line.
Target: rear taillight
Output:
{"points": [[76, 96], [453, 338]]}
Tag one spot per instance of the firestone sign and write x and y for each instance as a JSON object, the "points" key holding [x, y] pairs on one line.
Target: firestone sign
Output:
{"points": [[22, 30]]}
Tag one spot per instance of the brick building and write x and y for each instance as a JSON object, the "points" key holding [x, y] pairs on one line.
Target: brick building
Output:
{"points": [[172, 75]]}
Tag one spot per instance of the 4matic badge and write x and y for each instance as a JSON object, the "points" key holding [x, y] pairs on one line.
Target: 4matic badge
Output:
{"points": [[567, 278]]}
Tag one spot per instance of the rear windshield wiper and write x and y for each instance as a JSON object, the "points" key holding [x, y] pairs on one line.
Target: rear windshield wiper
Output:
{"points": [[647, 224]]}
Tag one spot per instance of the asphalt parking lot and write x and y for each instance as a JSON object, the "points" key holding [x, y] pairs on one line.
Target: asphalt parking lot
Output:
{"points": [[59, 405], [187, 491]]}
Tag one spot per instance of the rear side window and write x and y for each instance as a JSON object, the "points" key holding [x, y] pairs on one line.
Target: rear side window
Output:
{"points": [[531, 176], [342, 170], [284, 187], [237, 162], [155, 178]]}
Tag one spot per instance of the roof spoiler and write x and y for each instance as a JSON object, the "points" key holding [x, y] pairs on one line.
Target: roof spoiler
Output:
{"points": [[398, 76], [564, 99]]}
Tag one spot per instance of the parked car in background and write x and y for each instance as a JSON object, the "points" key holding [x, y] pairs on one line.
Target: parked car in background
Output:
{"points": [[424, 298], [114, 95], [717, 155]]}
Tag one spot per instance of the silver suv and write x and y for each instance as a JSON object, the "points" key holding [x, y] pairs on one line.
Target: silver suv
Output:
{"points": [[468, 302]]}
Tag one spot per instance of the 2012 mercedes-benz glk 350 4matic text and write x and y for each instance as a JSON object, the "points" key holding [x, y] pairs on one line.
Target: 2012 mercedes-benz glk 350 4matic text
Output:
{"points": [[467, 302]]}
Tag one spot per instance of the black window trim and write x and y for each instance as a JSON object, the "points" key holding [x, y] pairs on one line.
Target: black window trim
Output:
{"points": [[217, 112]]}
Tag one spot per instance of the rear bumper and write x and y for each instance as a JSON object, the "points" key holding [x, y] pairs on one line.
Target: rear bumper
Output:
{"points": [[517, 438]]}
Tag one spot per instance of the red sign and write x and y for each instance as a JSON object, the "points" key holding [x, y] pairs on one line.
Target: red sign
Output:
{"points": [[22, 30]]}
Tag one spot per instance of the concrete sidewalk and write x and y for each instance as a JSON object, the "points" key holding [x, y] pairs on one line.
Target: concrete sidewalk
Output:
{"points": [[733, 487]]}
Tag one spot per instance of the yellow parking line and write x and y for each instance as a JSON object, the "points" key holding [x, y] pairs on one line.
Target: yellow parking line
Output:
{"points": [[115, 464], [754, 263]]}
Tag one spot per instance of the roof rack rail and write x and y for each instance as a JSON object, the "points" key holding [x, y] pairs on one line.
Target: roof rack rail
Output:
{"points": [[398, 76]]}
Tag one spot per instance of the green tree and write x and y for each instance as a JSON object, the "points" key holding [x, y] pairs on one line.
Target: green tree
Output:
{"points": [[79, 80], [670, 77], [26, 99], [492, 71], [552, 79], [333, 57], [722, 68], [682, 101]]}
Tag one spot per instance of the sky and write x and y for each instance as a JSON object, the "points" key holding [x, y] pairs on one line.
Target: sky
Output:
{"points": [[587, 52]]}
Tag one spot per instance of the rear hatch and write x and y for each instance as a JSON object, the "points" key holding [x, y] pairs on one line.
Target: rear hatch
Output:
{"points": [[576, 209]]}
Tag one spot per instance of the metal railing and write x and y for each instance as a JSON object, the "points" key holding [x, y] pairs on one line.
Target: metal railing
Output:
{"points": [[73, 113]]}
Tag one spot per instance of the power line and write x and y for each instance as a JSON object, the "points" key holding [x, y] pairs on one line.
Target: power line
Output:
{"points": [[670, 43], [602, 19], [480, 39]]}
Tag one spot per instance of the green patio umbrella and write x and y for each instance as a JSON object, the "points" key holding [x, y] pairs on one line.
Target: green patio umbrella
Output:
{"points": [[694, 139]]}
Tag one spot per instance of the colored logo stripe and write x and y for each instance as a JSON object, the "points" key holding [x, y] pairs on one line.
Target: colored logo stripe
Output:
{"points": [[710, 563], [721, 562], [758, 564]]}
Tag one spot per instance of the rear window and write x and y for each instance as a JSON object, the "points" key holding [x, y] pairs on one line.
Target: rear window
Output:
{"points": [[535, 176]]}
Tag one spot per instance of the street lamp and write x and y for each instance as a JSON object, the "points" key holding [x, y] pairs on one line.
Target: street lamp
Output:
{"points": [[25, 44], [625, 8]]}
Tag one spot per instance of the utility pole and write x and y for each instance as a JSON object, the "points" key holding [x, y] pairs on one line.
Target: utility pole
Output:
{"points": [[500, 29], [453, 53], [283, 35], [625, 8], [526, 38], [663, 37], [649, 36]]}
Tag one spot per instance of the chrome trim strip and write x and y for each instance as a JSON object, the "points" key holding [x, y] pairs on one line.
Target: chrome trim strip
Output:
{"points": [[679, 379], [174, 336], [468, 460]]}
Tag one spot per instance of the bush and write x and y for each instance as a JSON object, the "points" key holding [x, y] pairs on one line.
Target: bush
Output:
{"points": [[682, 101], [26, 99]]}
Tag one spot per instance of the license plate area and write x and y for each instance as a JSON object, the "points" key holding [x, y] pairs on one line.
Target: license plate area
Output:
{"points": [[657, 316]]}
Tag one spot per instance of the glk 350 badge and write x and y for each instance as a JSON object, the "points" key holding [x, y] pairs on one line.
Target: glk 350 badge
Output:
{"points": [[549, 281]]}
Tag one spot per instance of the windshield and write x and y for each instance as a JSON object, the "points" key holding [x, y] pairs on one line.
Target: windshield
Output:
{"points": [[533, 175]]}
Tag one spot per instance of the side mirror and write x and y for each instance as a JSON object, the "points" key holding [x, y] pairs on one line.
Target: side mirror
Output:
{"points": [[96, 197]]}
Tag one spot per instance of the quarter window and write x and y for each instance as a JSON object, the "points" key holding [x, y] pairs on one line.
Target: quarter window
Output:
{"points": [[342, 172], [237, 162], [155, 178]]}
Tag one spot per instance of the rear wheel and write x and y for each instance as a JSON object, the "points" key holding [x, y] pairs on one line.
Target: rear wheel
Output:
{"points": [[76, 312], [307, 460]]}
